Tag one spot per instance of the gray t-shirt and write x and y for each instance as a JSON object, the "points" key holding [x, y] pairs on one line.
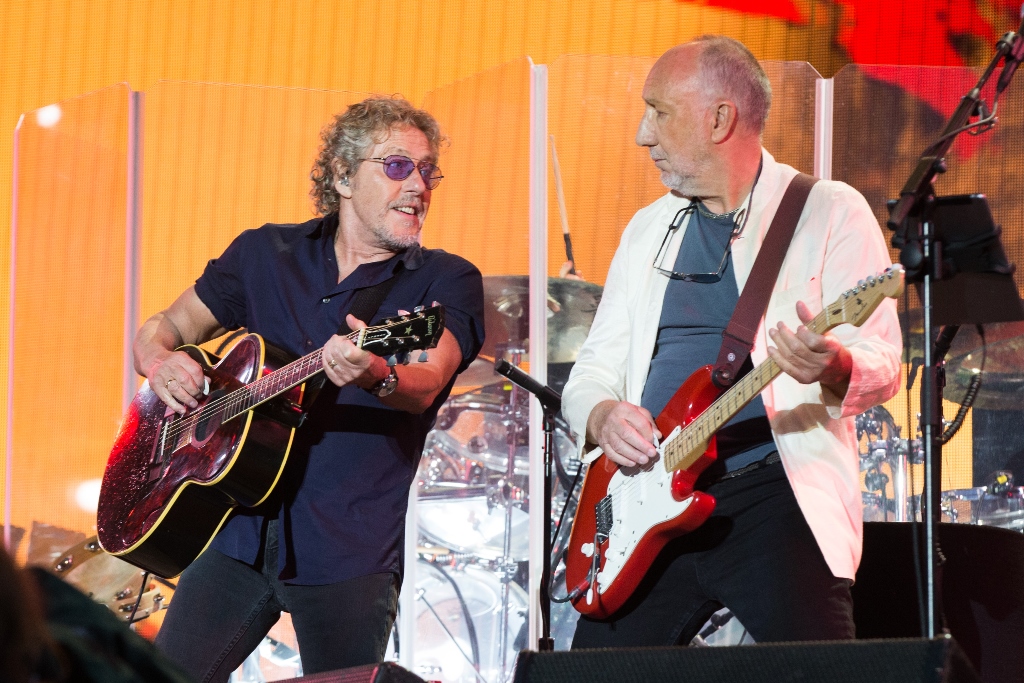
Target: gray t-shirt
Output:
{"points": [[693, 317]]}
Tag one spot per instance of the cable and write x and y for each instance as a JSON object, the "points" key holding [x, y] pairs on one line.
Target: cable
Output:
{"points": [[470, 628], [971, 395], [138, 600]]}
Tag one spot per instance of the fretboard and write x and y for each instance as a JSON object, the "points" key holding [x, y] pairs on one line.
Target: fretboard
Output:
{"points": [[267, 387], [686, 448]]}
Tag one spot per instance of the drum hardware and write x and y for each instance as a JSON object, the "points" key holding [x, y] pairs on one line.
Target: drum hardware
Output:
{"points": [[125, 590], [472, 483], [459, 616]]}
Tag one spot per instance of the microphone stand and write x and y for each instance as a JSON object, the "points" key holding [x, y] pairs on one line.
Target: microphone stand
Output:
{"points": [[550, 403], [921, 255]]}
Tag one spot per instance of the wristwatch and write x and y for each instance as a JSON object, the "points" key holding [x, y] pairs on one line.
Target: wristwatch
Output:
{"points": [[386, 386]]}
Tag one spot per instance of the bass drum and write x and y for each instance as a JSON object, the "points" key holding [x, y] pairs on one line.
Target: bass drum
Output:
{"points": [[458, 624], [462, 487]]}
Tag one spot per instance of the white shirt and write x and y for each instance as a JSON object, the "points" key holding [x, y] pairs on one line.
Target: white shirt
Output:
{"points": [[836, 244]]}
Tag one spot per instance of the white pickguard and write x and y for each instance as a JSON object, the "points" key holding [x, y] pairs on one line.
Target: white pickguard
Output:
{"points": [[641, 499]]}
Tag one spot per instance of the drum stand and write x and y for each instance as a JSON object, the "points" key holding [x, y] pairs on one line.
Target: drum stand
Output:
{"points": [[507, 567]]}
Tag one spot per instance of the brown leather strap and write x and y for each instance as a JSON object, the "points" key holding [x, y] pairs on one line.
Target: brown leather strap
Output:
{"points": [[738, 337]]}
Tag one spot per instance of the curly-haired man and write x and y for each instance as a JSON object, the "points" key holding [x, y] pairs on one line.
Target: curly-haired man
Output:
{"points": [[326, 546]]}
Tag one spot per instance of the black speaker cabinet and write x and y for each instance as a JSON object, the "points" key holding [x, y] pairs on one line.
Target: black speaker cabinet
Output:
{"points": [[877, 661], [385, 672], [982, 582]]}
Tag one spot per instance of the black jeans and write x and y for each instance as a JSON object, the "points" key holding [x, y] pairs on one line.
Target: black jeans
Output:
{"points": [[755, 555], [223, 608]]}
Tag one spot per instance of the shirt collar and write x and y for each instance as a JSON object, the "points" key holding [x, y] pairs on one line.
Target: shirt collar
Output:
{"points": [[325, 227]]}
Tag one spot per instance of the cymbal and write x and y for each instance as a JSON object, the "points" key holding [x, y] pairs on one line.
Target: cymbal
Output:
{"points": [[1002, 385], [1002, 381], [967, 338], [571, 308]]}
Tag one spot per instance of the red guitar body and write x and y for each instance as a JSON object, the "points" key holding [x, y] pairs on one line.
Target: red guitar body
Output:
{"points": [[637, 510]]}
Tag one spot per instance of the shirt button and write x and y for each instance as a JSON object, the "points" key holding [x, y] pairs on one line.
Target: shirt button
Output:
{"points": [[309, 343], [326, 299]]}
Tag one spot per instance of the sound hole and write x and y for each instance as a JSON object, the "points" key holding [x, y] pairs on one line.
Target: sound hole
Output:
{"points": [[210, 420]]}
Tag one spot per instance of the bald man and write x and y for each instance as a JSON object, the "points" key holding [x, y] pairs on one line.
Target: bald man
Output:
{"points": [[784, 542]]}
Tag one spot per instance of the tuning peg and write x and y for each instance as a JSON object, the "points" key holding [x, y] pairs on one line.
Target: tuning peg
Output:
{"points": [[423, 357], [392, 361], [436, 303], [402, 313], [417, 309]]}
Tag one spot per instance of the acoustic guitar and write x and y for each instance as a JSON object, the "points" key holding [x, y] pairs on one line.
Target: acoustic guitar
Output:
{"points": [[172, 480]]}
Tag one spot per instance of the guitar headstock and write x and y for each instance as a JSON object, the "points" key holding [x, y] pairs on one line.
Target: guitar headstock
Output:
{"points": [[855, 305], [405, 333]]}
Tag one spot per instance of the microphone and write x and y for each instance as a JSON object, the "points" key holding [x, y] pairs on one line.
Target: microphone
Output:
{"points": [[1013, 58], [547, 396]]}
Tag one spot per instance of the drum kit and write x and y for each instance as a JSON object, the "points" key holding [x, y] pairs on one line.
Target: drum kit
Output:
{"points": [[473, 504], [887, 464]]}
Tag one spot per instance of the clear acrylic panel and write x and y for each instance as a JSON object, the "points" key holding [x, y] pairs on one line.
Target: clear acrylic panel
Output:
{"points": [[884, 117], [470, 617], [68, 313], [481, 209], [595, 104]]}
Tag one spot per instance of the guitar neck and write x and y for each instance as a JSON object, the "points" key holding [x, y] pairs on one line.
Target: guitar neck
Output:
{"points": [[276, 383], [685, 449]]}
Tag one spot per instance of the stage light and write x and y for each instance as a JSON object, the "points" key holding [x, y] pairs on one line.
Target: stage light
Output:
{"points": [[87, 494], [48, 116]]}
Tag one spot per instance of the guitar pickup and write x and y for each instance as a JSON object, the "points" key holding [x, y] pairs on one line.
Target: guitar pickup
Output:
{"points": [[603, 515]]}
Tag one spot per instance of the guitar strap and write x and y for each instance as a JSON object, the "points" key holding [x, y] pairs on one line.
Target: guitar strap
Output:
{"points": [[364, 305], [738, 337], [366, 301]]}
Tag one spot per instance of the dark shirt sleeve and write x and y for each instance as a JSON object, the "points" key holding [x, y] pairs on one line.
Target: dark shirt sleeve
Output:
{"points": [[222, 285], [459, 288]]}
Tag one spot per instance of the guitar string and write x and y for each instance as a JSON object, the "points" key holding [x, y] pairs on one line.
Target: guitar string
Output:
{"points": [[819, 324], [244, 393]]}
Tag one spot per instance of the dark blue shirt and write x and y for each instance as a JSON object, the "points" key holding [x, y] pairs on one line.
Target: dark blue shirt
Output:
{"points": [[342, 499], [693, 317]]}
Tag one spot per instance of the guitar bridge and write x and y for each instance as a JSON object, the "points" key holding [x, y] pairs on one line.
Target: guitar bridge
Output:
{"points": [[603, 517], [163, 445]]}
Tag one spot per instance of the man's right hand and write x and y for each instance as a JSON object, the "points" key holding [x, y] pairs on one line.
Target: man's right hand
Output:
{"points": [[177, 380], [174, 377], [624, 432]]}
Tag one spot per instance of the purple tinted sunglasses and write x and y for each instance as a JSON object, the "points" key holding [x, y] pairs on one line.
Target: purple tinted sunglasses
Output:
{"points": [[398, 167]]}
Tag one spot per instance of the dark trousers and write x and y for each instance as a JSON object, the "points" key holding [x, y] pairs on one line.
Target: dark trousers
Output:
{"points": [[755, 555], [223, 608]]}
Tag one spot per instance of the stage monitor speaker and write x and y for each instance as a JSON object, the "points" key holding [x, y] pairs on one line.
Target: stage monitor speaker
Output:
{"points": [[865, 661], [386, 672]]}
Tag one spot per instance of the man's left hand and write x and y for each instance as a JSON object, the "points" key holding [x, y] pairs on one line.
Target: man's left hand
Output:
{"points": [[810, 357], [346, 363]]}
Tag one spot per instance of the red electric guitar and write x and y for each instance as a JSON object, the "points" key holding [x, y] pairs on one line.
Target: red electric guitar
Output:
{"points": [[627, 515], [172, 480]]}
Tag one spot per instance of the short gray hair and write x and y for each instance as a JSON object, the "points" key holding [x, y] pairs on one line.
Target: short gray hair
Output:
{"points": [[351, 135], [727, 67]]}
